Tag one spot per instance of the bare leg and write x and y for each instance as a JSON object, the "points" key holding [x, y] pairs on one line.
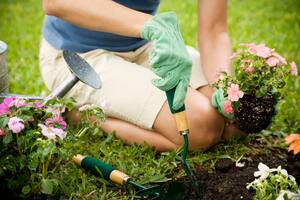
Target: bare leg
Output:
{"points": [[130, 134], [206, 126]]}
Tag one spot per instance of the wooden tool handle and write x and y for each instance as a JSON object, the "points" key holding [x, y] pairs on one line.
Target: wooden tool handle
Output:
{"points": [[99, 168]]}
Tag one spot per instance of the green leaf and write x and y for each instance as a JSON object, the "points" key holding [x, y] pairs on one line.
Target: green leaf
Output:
{"points": [[47, 186], [26, 189], [4, 121], [8, 138]]}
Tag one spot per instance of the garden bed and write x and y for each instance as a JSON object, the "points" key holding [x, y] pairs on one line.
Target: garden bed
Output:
{"points": [[228, 181]]}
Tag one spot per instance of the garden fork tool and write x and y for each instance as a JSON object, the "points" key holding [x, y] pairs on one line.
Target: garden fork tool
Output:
{"points": [[80, 70], [182, 126], [169, 191]]}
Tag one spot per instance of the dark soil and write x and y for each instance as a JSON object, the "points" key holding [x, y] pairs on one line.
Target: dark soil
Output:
{"points": [[229, 182]]}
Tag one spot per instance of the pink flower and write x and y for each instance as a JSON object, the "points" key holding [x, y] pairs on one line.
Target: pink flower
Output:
{"points": [[9, 100], [15, 124], [294, 69], [263, 51], [3, 109], [252, 50], [56, 120], [280, 58], [38, 104], [51, 132], [249, 69], [234, 93], [260, 50], [272, 61], [18, 103], [227, 107], [2, 132], [46, 131], [4, 106], [59, 132]]}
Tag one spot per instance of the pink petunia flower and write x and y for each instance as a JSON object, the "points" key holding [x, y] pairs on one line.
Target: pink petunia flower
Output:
{"points": [[234, 93], [38, 104], [56, 120], [272, 61], [294, 69], [18, 103], [51, 132], [4, 109], [4, 106], [263, 51], [2, 132], [260, 50], [7, 101], [280, 58], [46, 131], [59, 132], [249, 69], [227, 107], [15, 124]]}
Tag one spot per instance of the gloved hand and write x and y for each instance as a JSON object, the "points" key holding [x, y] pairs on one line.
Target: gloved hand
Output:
{"points": [[218, 100], [169, 57]]}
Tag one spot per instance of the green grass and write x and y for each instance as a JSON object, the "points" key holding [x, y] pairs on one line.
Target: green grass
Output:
{"points": [[276, 23]]}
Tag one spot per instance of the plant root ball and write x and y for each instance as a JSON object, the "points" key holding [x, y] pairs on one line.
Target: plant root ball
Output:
{"points": [[254, 114]]}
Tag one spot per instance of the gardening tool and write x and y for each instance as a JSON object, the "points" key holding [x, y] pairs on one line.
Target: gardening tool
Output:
{"points": [[80, 69], [169, 191], [182, 126]]}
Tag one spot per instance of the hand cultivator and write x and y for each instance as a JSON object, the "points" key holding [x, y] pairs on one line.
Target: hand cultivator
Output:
{"points": [[168, 191]]}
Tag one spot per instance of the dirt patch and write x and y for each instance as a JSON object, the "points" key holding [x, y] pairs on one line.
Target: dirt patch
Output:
{"points": [[229, 182]]}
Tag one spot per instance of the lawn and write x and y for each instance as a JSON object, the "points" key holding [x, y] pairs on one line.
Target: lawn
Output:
{"points": [[275, 23]]}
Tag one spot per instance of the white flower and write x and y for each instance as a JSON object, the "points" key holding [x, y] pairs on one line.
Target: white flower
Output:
{"points": [[240, 164], [285, 173], [263, 171], [289, 194]]}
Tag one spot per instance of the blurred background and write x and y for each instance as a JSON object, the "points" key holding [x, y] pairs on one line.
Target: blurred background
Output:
{"points": [[273, 22]]}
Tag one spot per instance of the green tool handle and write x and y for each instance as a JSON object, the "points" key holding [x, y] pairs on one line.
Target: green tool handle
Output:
{"points": [[179, 114], [108, 172], [170, 97]]}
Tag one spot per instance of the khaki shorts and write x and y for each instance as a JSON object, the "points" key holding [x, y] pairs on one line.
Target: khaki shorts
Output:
{"points": [[126, 81]]}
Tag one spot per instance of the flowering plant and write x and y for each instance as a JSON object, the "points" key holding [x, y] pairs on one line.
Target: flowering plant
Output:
{"points": [[34, 144], [19, 115], [273, 183], [258, 72]]}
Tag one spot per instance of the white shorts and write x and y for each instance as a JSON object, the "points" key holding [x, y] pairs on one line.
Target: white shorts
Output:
{"points": [[126, 81]]}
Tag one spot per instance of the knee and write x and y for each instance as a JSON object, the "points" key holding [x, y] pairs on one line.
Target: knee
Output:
{"points": [[206, 126]]}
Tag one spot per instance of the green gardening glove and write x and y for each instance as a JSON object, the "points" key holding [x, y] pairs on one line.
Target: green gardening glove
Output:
{"points": [[169, 57], [218, 100]]}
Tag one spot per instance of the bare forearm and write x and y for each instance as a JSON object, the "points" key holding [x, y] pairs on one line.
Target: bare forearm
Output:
{"points": [[213, 40], [98, 15], [215, 51]]}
